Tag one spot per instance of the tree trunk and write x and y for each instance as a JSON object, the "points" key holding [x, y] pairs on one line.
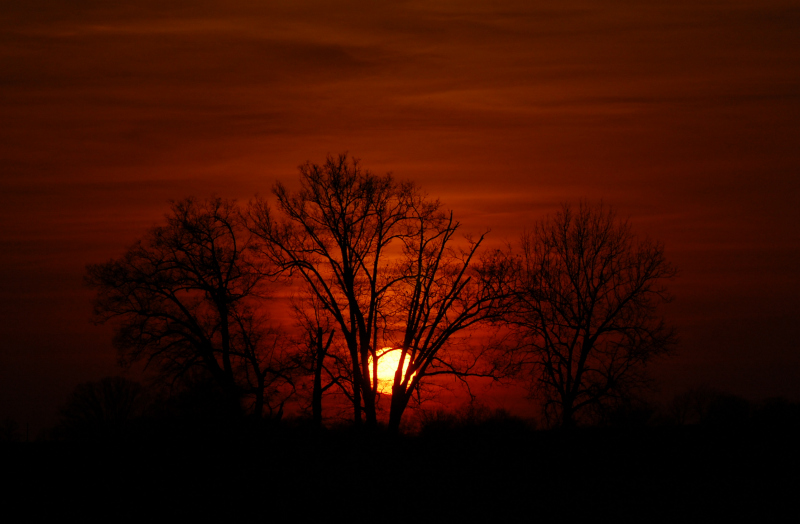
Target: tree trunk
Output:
{"points": [[226, 338], [316, 395], [369, 410], [367, 390], [567, 415], [258, 408], [356, 393], [399, 403]]}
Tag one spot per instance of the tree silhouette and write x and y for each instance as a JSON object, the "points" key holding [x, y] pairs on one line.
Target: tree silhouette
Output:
{"points": [[377, 256], [335, 231], [103, 409], [443, 290], [317, 356], [588, 310], [9, 430], [185, 296]]}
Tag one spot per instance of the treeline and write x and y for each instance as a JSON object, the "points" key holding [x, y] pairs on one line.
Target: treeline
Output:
{"points": [[183, 457], [379, 270], [117, 409]]}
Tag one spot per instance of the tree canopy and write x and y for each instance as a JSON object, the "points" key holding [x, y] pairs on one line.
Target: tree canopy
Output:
{"points": [[379, 268], [381, 259], [588, 311], [182, 298]]}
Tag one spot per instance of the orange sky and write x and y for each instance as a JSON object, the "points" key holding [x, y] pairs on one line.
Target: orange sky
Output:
{"points": [[683, 115]]}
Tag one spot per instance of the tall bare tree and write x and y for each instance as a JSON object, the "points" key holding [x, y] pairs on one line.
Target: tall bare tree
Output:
{"points": [[335, 234], [378, 257], [589, 309], [184, 298]]}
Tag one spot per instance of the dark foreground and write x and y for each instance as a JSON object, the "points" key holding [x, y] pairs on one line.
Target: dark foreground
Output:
{"points": [[666, 474]]}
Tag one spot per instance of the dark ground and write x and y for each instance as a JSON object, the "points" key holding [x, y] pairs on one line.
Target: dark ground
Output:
{"points": [[495, 473]]}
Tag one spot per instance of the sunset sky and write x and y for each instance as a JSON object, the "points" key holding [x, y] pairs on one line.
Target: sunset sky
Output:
{"points": [[683, 115]]}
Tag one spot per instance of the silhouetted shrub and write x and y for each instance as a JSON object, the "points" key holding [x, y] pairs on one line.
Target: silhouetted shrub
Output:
{"points": [[709, 407], [694, 405], [9, 431], [727, 410], [103, 410], [777, 413], [472, 418], [628, 414]]}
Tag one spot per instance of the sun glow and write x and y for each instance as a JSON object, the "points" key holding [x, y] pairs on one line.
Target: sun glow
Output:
{"points": [[388, 360]]}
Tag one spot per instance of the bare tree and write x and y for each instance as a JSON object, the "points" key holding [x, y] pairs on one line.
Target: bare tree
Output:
{"points": [[444, 290], [335, 234], [588, 309], [318, 356], [185, 297], [377, 256]]}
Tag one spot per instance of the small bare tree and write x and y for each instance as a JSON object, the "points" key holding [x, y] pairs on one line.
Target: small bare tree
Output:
{"points": [[318, 356], [588, 310]]}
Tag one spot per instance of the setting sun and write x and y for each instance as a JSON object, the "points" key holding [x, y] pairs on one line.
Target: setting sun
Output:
{"points": [[388, 360]]}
